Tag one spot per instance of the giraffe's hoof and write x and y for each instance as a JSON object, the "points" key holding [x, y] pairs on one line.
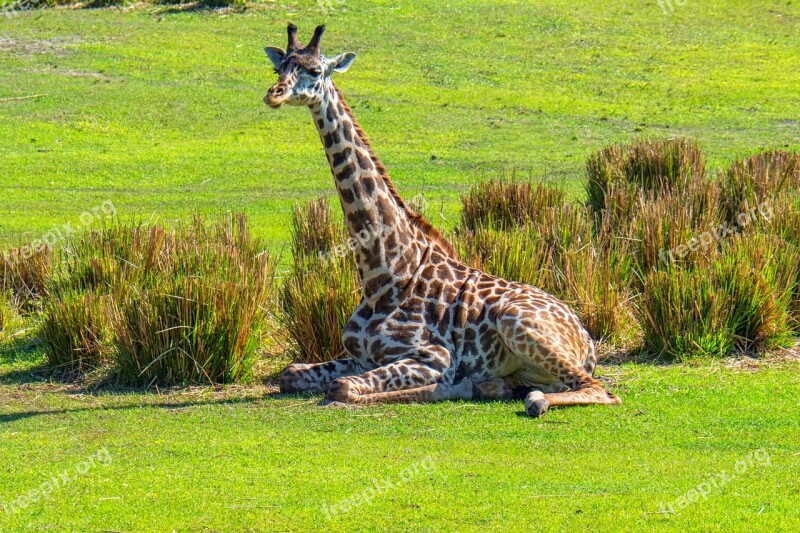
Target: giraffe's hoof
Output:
{"points": [[535, 404]]}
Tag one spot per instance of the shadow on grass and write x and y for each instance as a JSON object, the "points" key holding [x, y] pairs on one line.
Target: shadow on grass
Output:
{"points": [[178, 406], [38, 376], [171, 405], [39, 373], [167, 406], [611, 356], [24, 350], [641, 357]]}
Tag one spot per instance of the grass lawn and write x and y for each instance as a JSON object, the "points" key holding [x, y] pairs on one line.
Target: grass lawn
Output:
{"points": [[240, 459], [160, 113]]}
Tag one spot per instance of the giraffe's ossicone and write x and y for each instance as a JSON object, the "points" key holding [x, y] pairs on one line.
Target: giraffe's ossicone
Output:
{"points": [[428, 327]]}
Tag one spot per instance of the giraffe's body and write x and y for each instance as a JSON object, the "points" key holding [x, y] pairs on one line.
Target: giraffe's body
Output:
{"points": [[428, 327]]}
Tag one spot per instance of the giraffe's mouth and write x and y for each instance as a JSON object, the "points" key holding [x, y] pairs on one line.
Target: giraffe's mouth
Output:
{"points": [[273, 102]]}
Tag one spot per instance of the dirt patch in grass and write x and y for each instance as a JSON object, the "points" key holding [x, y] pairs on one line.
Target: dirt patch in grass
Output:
{"points": [[778, 358], [69, 73], [609, 356], [56, 45], [43, 398]]}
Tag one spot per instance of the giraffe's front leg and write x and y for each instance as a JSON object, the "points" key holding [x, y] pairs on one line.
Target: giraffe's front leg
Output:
{"points": [[399, 382], [315, 378]]}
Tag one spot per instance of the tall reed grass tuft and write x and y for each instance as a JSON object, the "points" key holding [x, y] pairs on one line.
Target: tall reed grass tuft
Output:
{"points": [[506, 203], [758, 180], [647, 165], [74, 331], [25, 274], [161, 305], [322, 288]]}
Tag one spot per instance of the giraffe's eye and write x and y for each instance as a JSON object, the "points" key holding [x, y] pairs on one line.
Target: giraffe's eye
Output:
{"points": [[314, 71]]}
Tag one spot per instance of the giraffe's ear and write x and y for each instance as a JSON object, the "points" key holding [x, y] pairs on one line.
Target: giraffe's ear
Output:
{"points": [[343, 61], [275, 55]]}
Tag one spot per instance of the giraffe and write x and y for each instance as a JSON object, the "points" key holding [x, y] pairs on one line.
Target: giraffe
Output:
{"points": [[428, 326]]}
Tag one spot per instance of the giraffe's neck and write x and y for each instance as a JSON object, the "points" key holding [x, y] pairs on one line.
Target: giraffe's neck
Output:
{"points": [[387, 245]]}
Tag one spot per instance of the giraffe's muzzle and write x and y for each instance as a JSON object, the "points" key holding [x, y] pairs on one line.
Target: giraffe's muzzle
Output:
{"points": [[276, 95]]}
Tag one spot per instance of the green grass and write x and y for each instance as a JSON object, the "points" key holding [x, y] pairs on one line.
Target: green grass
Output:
{"points": [[161, 114], [238, 459]]}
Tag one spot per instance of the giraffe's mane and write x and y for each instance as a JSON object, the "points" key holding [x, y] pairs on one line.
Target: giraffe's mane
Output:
{"points": [[417, 220]]}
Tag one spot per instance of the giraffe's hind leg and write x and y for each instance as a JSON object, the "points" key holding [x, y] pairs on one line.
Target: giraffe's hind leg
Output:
{"points": [[556, 349], [589, 392], [516, 386]]}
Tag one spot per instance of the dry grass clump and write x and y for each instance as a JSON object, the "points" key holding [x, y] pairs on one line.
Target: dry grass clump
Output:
{"points": [[783, 222], [598, 283], [74, 331], [674, 227], [322, 289], [197, 318], [782, 218], [314, 230], [25, 273], [683, 313], [318, 299], [761, 276], [160, 305], [654, 195], [648, 165], [506, 203], [754, 183], [741, 299]]}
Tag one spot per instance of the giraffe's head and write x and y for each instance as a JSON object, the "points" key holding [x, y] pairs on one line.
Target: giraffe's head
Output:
{"points": [[302, 71]]}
